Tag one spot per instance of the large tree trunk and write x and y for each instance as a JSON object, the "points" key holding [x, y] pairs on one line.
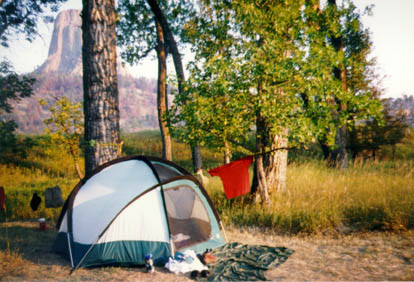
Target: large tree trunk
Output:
{"points": [[162, 98], [260, 184], [259, 177], [339, 156], [277, 161], [172, 47], [100, 85], [274, 163]]}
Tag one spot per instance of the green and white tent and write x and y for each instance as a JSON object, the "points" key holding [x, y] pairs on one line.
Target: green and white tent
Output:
{"points": [[133, 206]]}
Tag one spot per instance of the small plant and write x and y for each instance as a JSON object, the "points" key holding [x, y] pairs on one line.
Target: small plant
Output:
{"points": [[65, 126]]}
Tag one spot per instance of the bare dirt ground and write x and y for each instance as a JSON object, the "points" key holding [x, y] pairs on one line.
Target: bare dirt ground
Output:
{"points": [[359, 257], [333, 257]]}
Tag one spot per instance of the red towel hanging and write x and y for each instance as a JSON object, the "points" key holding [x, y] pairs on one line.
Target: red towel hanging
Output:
{"points": [[235, 177]]}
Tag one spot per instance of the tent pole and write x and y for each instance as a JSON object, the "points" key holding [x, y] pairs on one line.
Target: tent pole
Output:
{"points": [[70, 250], [86, 254], [154, 171], [224, 231], [172, 246]]}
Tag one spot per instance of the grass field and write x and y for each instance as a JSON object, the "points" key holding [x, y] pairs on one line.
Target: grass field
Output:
{"points": [[355, 224], [370, 195]]}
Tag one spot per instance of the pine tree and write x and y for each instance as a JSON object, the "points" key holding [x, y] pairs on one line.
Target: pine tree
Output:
{"points": [[100, 84]]}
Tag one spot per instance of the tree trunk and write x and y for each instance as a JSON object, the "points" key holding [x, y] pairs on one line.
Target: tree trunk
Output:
{"points": [[277, 168], [172, 47], [171, 43], [270, 168], [74, 152], [260, 184], [78, 170], [197, 159], [227, 153], [100, 85], [196, 156], [339, 156], [259, 177], [162, 100]]}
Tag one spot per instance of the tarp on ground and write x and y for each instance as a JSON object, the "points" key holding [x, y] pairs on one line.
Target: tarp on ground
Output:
{"points": [[240, 262]]}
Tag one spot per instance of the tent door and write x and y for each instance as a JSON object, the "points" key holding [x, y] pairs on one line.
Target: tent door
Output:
{"points": [[187, 216]]}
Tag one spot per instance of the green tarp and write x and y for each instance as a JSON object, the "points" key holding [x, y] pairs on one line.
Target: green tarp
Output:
{"points": [[238, 262]]}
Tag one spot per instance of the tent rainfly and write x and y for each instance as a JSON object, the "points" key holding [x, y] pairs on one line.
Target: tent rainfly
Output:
{"points": [[133, 206]]}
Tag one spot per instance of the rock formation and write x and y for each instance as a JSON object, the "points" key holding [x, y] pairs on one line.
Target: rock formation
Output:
{"points": [[65, 50], [61, 75]]}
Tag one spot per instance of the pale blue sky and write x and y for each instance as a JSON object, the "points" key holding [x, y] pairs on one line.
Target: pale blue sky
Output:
{"points": [[392, 27]]}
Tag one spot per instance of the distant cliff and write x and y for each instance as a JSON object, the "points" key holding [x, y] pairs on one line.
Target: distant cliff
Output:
{"points": [[61, 75], [65, 50]]}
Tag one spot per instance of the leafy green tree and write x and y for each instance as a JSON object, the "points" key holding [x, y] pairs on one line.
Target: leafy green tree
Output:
{"points": [[9, 145], [370, 135], [270, 62], [17, 17], [245, 58], [65, 126], [13, 88], [138, 22], [159, 23], [22, 16], [339, 51]]}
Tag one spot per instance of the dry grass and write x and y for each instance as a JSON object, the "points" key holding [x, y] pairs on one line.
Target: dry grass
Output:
{"points": [[31, 258], [362, 257], [338, 209], [366, 197]]}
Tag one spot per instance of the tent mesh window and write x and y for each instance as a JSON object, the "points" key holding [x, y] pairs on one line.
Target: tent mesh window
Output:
{"points": [[187, 216], [165, 173]]}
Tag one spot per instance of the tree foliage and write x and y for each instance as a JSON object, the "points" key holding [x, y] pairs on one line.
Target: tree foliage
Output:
{"points": [[65, 126], [267, 66], [369, 136], [22, 16], [12, 147], [136, 26], [155, 23], [12, 89], [339, 49], [17, 17], [162, 34]]}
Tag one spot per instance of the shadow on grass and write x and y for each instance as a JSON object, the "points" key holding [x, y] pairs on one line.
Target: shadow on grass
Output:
{"points": [[30, 242]]}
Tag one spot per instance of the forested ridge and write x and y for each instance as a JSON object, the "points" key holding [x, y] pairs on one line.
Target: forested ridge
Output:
{"points": [[137, 101]]}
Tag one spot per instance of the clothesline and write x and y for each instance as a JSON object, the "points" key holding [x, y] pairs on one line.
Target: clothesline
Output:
{"points": [[273, 150], [235, 175]]}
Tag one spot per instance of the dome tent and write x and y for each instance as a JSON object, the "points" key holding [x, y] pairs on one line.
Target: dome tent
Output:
{"points": [[133, 206]]}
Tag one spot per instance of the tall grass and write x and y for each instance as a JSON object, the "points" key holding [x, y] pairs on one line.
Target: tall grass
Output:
{"points": [[45, 166], [370, 195], [149, 143]]}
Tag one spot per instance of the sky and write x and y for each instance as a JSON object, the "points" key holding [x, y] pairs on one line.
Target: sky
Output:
{"points": [[391, 27]]}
